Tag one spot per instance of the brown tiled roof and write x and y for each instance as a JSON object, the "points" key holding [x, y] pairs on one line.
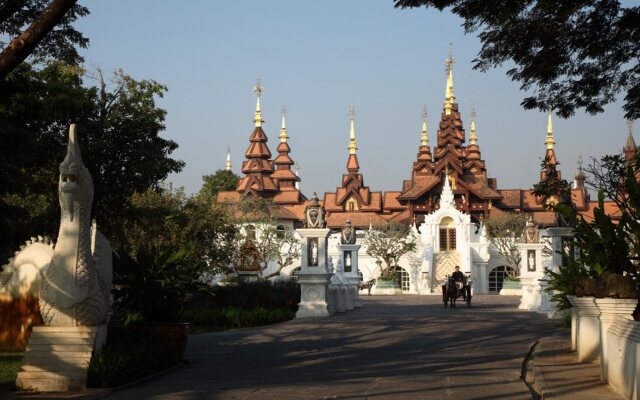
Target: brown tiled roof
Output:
{"points": [[511, 198], [610, 208], [402, 216], [421, 186], [288, 196], [358, 219], [391, 201], [352, 163]]}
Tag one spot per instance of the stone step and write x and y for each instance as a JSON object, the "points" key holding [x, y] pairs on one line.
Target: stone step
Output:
{"points": [[74, 375], [75, 329], [56, 361], [57, 358], [55, 347], [77, 335], [51, 385], [49, 367], [59, 340]]}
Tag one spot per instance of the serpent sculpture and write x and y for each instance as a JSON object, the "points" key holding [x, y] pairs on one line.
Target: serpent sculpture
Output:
{"points": [[75, 288], [73, 278]]}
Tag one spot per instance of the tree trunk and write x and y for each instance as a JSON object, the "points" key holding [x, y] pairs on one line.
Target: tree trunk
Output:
{"points": [[21, 47]]}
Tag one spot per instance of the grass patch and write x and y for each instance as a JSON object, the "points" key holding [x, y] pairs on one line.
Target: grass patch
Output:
{"points": [[9, 366]]}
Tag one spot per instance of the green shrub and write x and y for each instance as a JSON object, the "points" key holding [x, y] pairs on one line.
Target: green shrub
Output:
{"points": [[258, 294], [234, 317]]}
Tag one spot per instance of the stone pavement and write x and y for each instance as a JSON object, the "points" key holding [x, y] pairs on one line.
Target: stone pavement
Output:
{"points": [[555, 373], [396, 347], [404, 347]]}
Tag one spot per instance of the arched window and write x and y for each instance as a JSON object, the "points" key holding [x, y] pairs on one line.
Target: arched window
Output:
{"points": [[496, 277], [447, 234], [351, 204], [404, 279], [280, 231]]}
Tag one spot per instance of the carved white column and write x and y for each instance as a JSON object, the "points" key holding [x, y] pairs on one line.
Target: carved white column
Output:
{"points": [[349, 257], [313, 276], [531, 272]]}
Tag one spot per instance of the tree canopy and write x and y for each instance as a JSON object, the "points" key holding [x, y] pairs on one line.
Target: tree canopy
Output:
{"points": [[388, 243], [222, 180], [504, 231], [119, 127], [42, 28], [573, 54]]}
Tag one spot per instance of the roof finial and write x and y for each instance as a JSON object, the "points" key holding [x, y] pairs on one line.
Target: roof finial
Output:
{"points": [[473, 138], [352, 132], [227, 165], [283, 130], [257, 119], [424, 139], [580, 161], [449, 97], [550, 142], [630, 146]]}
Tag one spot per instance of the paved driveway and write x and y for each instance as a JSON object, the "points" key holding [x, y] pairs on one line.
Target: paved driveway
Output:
{"points": [[395, 347]]}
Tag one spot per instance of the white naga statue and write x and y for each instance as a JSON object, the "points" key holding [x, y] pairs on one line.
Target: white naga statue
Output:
{"points": [[72, 279]]}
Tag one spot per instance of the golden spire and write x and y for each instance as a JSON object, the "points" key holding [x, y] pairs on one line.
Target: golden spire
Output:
{"points": [[550, 142], [473, 138], [449, 97], [283, 130], [424, 138], [352, 132], [257, 119], [227, 165]]}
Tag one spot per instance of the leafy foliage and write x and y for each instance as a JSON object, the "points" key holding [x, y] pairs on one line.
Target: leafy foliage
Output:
{"points": [[260, 240], [221, 181], [155, 287], [604, 245], [574, 54], [388, 243], [166, 219], [505, 231], [119, 126], [44, 29], [261, 293]]}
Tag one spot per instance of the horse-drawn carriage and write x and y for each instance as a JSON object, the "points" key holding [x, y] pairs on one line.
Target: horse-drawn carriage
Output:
{"points": [[452, 290]]}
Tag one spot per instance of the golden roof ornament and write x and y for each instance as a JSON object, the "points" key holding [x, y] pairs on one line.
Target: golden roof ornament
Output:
{"points": [[473, 138], [283, 129], [258, 89], [424, 138], [352, 132], [449, 97], [227, 165], [550, 142]]}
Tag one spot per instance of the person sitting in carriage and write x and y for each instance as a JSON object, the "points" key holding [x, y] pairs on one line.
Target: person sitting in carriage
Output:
{"points": [[459, 279]]}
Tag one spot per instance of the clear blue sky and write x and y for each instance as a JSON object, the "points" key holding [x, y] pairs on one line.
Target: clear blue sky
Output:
{"points": [[318, 58]]}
